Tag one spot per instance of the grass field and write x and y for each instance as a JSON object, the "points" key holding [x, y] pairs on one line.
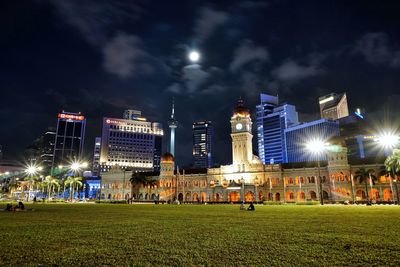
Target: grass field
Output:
{"points": [[115, 235]]}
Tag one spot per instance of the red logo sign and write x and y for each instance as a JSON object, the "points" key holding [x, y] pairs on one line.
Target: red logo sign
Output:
{"points": [[71, 117]]}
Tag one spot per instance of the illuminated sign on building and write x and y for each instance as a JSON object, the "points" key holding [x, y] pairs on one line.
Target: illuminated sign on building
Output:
{"points": [[71, 117], [108, 121], [326, 100]]}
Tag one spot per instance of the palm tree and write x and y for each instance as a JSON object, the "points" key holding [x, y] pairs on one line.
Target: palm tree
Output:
{"points": [[32, 182], [392, 164], [74, 183], [68, 182], [51, 183], [139, 178], [363, 175]]}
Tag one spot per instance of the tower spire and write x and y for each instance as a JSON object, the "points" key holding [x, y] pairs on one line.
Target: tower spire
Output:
{"points": [[173, 108], [173, 124]]}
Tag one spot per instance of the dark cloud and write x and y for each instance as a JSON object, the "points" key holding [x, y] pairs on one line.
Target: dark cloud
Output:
{"points": [[248, 52], [207, 23], [124, 56], [95, 19], [376, 49], [290, 71]]}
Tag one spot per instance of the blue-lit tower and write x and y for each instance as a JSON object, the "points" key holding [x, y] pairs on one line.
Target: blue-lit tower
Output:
{"points": [[173, 124]]}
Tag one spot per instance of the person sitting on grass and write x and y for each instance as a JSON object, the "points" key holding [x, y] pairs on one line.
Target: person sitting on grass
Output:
{"points": [[242, 206], [251, 207], [9, 207], [19, 207]]}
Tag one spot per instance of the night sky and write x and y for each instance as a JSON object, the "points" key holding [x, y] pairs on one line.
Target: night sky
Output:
{"points": [[101, 57]]}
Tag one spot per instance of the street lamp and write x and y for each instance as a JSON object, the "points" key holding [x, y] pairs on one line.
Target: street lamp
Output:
{"points": [[317, 147], [31, 170], [388, 140]]}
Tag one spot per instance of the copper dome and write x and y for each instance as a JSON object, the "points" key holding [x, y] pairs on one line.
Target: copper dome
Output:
{"points": [[167, 157], [241, 109]]}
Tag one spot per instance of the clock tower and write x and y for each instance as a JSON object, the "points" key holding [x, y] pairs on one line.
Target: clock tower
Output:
{"points": [[242, 147]]}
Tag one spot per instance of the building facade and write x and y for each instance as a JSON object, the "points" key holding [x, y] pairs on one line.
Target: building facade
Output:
{"points": [[266, 107], [333, 106], [247, 179], [203, 139], [46, 148], [96, 156], [273, 132], [297, 137], [133, 143], [69, 138]]}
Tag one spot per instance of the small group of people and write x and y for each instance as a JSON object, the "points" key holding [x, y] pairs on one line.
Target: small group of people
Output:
{"points": [[250, 208], [19, 207]]}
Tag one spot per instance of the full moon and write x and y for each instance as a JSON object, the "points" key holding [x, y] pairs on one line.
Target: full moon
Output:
{"points": [[194, 56]]}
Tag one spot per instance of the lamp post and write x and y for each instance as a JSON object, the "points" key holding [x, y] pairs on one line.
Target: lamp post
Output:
{"points": [[397, 191], [242, 181], [32, 170], [317, 147], [388, 141], [76, 166]]}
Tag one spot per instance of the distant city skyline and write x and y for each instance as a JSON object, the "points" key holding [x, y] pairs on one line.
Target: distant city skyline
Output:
{"points": [[101, 58]]}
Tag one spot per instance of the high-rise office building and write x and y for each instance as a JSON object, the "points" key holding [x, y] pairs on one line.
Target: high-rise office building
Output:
{"points": [[333, 106], [133, 143], [298, 136], [203, 137], [173, 124], [69, 138], [266, 106], [283, 117], [1, 152], [46, 148], [272, 120], [96, 155], [359, 141]]}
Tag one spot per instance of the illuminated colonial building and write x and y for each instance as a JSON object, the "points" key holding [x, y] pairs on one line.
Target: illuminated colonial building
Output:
{"points": [[248, 179]]}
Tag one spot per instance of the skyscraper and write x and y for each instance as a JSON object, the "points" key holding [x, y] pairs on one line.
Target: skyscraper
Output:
{"points": [[272, 120], [46, 148], [69, 138], [298, 136], [333, 106], [173, 124], [203, 137], [268, 103], [1, 152], [133, 143], [96, 155]]}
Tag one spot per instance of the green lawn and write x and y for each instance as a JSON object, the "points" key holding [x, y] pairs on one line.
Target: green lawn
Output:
{"points": [[114, 235]]}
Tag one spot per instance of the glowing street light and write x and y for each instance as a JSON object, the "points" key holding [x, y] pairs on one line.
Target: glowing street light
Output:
{"points": [[194, 56], [317, 147], [32, 169], [77, 166], [388, 140]]}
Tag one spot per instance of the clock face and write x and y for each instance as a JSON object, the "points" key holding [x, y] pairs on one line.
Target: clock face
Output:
{"points": [[239, 126]]}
